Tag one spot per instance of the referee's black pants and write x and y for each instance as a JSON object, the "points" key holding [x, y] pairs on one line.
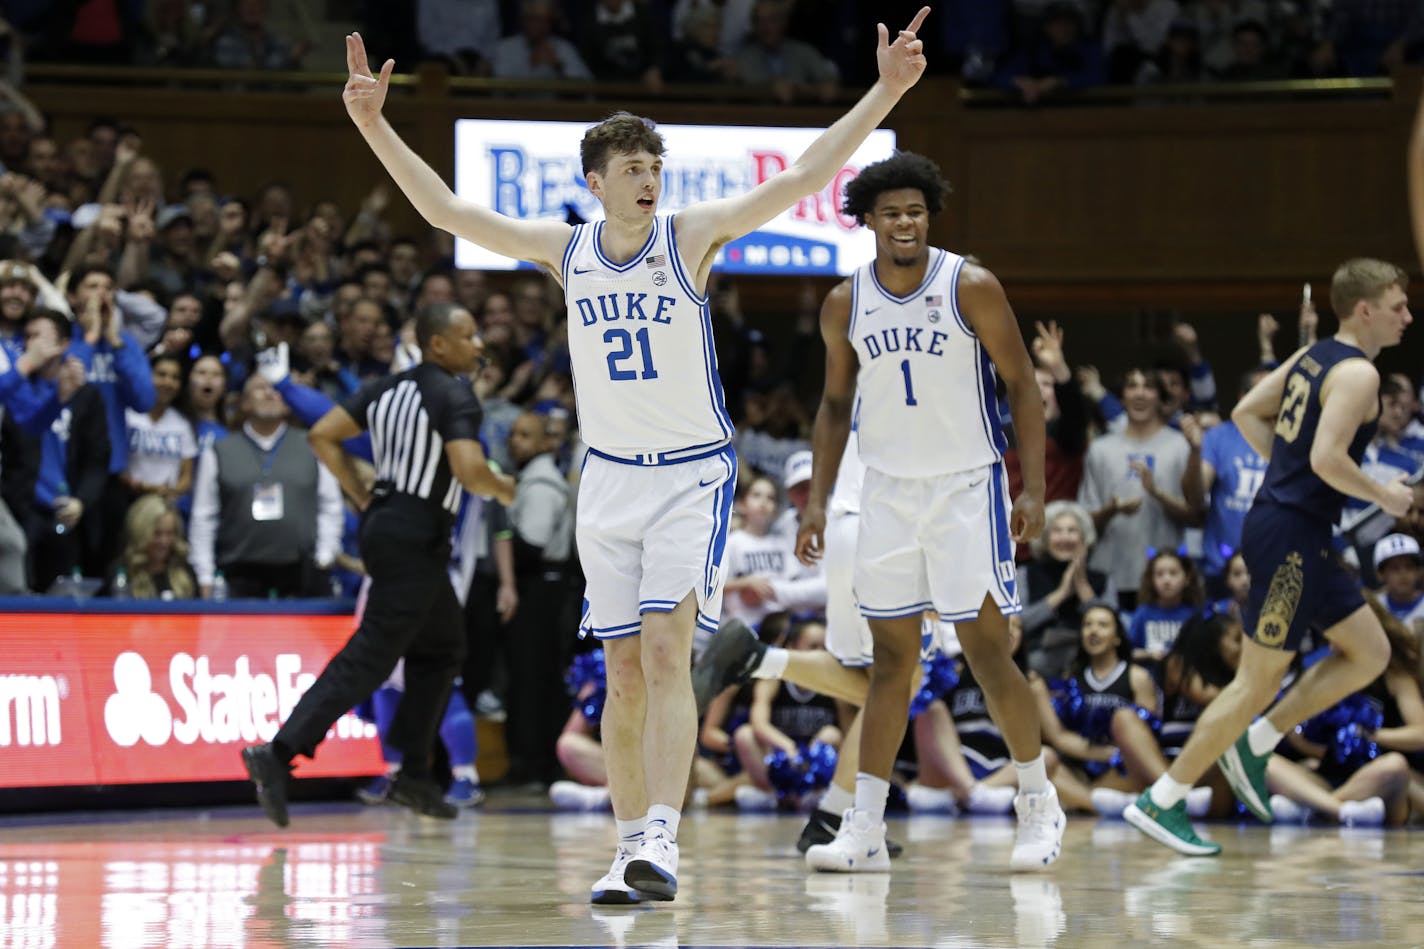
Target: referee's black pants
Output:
{"points": [[411, 611]]}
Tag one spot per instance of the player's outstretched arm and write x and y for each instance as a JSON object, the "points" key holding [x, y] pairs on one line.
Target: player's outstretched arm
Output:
{"points": [[541, 242], [833, 421], [1415, 177], [706, 226]]}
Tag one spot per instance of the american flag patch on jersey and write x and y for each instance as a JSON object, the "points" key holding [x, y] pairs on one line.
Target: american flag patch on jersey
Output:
{"points": [[657, 260], [934, 299]]}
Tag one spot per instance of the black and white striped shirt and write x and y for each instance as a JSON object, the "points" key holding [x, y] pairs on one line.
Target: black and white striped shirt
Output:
{"points": [[411, 416]]}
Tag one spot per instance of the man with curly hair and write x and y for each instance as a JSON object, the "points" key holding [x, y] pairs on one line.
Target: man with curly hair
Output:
{"points": [[915, 343]]}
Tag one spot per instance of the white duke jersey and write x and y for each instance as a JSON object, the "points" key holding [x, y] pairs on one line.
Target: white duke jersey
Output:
{"points": [[640, 339], [850, 478], [927, 404]]}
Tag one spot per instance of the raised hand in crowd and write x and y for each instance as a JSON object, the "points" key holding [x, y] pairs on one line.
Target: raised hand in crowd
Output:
{"points": [[1185, 336], [1048, 350], [1091, 382], [1266, 329], [70, 378], [1309, 320]]}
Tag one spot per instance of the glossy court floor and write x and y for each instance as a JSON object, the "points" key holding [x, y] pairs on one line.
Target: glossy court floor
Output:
{"points": [[512, 875]]}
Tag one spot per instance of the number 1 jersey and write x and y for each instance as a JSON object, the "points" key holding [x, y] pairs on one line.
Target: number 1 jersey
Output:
{"points": [[926, 402], [640, 339]]}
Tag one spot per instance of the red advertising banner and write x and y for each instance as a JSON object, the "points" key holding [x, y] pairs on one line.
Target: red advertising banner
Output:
{"points": [[94, 699]]}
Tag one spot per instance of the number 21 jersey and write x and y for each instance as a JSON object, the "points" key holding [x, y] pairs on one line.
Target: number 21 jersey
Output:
{"points": [[640, 339], [926, 385]]}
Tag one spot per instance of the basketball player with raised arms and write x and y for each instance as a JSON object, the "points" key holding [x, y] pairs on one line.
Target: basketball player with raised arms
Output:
{"points": [[915, 341], [656, 493], [1311, 419]]}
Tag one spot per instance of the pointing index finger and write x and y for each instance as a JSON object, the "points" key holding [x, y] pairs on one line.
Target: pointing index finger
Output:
{"points": [[914, 26]]}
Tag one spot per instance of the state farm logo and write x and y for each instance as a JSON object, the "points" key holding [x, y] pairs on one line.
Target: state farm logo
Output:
{"points": [[212, 707], [29, 709]]}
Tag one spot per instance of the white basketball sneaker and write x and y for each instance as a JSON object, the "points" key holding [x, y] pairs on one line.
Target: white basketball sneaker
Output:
{"points": [[653, 869], [1041, 825], [859, 847], [612, 889]]}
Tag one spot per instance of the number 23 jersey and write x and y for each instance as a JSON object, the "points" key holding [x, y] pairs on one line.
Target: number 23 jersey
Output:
{"points": [[1290, 481], [926, 402], [640, 339]]}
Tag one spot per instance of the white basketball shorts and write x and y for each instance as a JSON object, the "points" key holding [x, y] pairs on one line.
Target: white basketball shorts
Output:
{"points": [[648, 535], [939, 543], [847, 632]]}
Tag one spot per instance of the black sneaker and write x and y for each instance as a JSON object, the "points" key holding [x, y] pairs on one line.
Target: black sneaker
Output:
{"points": [[822, 828], [271, 777], [728, 660], [423, 796]]}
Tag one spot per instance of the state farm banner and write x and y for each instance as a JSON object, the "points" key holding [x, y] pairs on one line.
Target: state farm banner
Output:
{"points": [[531, 170], [119, 698]]}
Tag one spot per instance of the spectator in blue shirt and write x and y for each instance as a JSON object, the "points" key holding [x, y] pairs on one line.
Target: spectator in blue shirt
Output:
{"points": [[1222, 476], [1170, 594]]}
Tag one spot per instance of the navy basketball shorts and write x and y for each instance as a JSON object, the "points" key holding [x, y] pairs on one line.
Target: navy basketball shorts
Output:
{"points": [[1297, 581]]}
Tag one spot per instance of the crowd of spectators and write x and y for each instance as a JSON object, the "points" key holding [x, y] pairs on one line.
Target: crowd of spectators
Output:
{"points": [[141, 440], [795, 49]]}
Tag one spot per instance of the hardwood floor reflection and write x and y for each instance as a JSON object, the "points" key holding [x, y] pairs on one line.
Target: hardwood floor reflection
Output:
{"points": [[518, 876]]}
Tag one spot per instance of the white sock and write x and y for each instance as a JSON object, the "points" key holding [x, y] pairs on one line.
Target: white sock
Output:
{"points": [[392, 768], [837, 800], [666, 816], [1263, 737], [1033, 775], [465, 771], [631, 831], [870, 795], [1167, 792], [773, 664]]}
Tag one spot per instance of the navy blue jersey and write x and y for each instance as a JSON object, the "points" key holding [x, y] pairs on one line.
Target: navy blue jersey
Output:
{"points": [[1290, 481]]}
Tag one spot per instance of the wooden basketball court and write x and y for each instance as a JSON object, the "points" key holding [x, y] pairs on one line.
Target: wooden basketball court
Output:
{"points": [[514, 874]]}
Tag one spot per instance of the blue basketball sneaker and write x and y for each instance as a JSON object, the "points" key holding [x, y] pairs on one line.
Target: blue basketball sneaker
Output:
{"points": [[377, 792], [464, 793]]}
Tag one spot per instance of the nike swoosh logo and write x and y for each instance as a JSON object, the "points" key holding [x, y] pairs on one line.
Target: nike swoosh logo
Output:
{"points": [[871, 310], [578, 272], [873, 852], [707, 484]]}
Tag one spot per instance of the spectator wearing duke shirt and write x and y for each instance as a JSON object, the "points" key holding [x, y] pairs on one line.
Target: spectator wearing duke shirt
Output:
{"points": [[1400, 565], [1222, 476], [162, 443], [264, 512]]}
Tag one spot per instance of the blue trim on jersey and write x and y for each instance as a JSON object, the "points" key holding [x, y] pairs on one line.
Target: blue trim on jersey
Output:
{"points": [[569, 254], [679, 267], [721, 524], [706, 622], [854, 307], [613, 633], [979, 385], [959, 319], [894, 612], [992, 418], [656, 606], [677, 456], [634, 260], [709, 350], [930, 273], [1003, 545]]}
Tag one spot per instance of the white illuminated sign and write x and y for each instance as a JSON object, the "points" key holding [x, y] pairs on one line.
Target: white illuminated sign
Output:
{"points": [[531, 170]]}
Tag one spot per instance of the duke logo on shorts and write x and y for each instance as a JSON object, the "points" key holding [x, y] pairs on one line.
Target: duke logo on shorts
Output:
{"points": [[655, 497], [934, 515]]}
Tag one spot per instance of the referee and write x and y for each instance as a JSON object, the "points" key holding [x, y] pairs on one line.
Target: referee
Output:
{"points": [[424, 426]]}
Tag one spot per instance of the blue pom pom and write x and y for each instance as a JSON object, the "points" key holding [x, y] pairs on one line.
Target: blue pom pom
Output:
{"points": [[940, 676], [586, 668], [809, 770]]}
